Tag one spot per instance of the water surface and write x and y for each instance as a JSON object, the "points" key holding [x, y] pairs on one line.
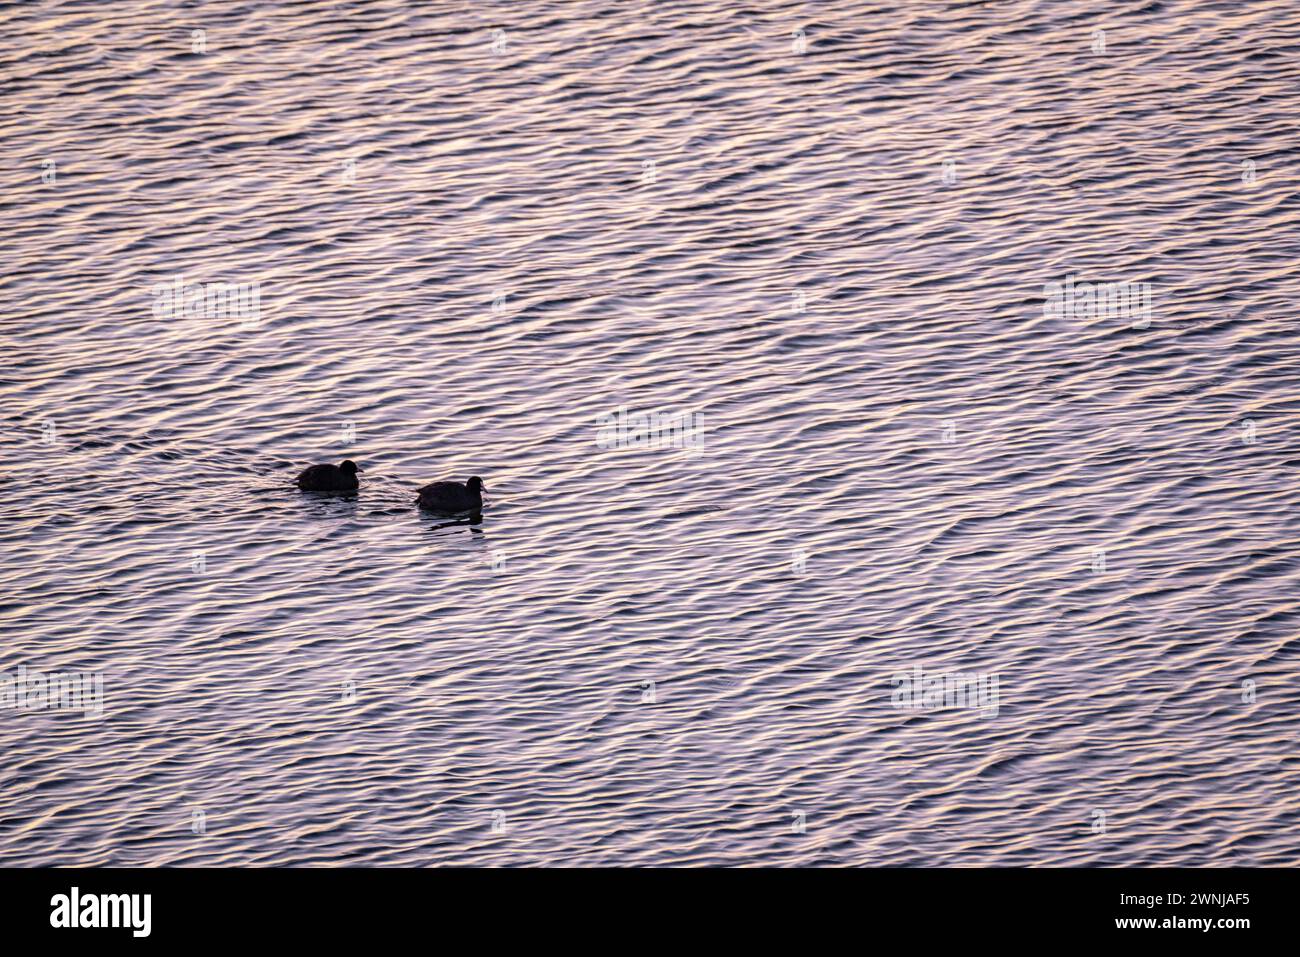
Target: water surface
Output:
{"points": [[468, 246]]}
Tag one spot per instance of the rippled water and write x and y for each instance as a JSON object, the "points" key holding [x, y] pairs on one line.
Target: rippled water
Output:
{"points": [[833, 248]]}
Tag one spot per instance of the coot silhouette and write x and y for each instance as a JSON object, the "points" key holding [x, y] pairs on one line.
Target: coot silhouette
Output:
{"points": [[452, 496], [329, 478]]}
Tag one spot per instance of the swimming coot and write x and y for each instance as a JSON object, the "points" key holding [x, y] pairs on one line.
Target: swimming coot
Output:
{"points": [[452, 496], [329, 478]]}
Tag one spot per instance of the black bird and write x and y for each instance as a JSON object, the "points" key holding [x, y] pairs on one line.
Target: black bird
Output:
{"points": [[452, 496], [329, 478]]}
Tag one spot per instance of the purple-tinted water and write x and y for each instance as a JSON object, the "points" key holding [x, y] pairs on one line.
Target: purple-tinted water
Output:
{"points": [[826, 233]]}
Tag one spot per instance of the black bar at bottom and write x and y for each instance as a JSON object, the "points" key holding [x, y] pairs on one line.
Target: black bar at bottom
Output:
{"points": [[333, 907]]}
